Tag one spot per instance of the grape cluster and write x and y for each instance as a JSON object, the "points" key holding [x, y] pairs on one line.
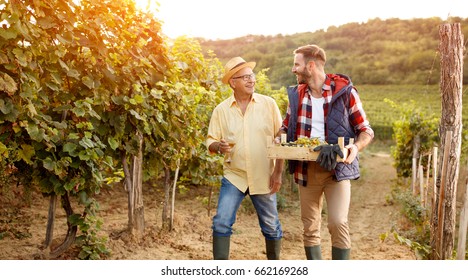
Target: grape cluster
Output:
{"points": [[305, 142]]}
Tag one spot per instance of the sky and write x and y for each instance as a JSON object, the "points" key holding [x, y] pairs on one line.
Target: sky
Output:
{"points": [[221, 19]]}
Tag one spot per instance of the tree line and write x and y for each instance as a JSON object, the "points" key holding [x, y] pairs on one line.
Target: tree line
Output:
{"points": [[377, 52]]}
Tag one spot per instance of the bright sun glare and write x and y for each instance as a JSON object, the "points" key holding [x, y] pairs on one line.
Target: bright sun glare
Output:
{"points": [[215, 19]]}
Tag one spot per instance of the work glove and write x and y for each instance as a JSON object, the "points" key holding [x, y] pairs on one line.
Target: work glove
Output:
{"points": [[327, 157]]}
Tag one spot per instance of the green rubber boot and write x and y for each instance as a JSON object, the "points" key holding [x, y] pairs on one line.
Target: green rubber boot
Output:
{"points": [[313, 252], [340, 254], [273, 248], [221, 247]]}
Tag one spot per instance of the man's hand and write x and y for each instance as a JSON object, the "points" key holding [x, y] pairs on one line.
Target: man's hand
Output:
{"points": [[327, 156], [224, 146], [353, 151]]}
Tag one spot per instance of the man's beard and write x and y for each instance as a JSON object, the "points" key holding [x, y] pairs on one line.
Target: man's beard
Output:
{"points": [[303, 77]]}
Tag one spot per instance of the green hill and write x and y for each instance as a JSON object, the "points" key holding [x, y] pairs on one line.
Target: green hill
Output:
{"points": [[378, 52]]}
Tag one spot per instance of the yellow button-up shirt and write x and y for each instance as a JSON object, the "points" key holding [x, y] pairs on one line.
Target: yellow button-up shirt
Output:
{"points": [[250, 167]]}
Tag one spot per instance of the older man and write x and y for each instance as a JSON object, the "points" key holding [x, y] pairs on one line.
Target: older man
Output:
{"points": [[239, 127]]}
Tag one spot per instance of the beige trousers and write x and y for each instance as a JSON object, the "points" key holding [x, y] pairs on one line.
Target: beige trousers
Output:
{"points": [[337, 194]]}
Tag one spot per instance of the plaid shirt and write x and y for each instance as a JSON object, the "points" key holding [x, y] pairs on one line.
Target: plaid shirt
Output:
{"points": [[304, 121]]}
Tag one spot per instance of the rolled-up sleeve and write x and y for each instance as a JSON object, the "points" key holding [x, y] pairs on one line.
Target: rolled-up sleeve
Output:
{"points": [[358, 115], [214, 129]]}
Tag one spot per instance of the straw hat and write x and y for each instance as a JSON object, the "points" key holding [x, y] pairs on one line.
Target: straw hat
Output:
{"points": [[234, 65]]}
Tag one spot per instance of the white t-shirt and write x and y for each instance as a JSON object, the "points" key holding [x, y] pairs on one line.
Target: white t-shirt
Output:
{"points": [[318, 119]]}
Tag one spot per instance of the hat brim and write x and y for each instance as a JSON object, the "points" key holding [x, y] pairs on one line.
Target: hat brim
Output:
{"points": [[234, 70]]}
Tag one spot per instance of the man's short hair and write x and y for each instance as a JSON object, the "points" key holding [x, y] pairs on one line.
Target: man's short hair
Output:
{"points": [[312, 52]]}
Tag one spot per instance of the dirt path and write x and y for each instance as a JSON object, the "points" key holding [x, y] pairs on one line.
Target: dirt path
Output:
{"points": [[370, 217]]}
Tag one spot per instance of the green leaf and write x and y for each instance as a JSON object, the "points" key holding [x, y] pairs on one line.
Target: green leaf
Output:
{"points": [[73, 136], [46, 22], [64, 65], [35, 133], [73, 73], [56, 78], [84, 155], [75, 219], [21, 57], [83, 255], [45, 185], [87, 143], [49, 164], [8, 84], [68, 186], [62, 108], [22, 29], [5, 107], [135, 114], [156, 93], [118, 100], [79, 112], [57, 185], [70, 148], [88, 81], [60, 125], [26, 153], [139, 99], [84, 199], [31, 108], [52, 86], [8, 34], [113, 143], [75, 164], [3, 150]]}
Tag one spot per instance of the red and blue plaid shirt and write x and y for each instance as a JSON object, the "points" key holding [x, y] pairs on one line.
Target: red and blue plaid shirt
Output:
{"points": [[357, 118]]}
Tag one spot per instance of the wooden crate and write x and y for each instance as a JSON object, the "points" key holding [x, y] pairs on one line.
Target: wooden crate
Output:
{"points": [[298, 153]]}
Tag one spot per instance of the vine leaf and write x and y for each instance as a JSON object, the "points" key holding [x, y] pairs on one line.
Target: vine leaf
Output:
{"points": [[8, 84], [49, 164], [70, 148], [26, 153]]}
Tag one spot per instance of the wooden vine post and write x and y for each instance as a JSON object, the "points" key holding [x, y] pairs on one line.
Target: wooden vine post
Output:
{"points": [[416, 146], [435, 152], [451, 82], [428, 172]]}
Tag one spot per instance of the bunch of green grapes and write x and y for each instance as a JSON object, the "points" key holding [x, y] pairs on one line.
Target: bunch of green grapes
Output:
{"points": [[306, 142]]}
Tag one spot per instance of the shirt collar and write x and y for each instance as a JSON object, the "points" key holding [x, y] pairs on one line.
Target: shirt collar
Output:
{"points": [[327, 84], [232, 99], [325, 87]]}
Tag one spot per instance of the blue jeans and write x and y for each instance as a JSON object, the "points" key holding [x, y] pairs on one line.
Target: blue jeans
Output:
{"points": [[229, 201]]}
